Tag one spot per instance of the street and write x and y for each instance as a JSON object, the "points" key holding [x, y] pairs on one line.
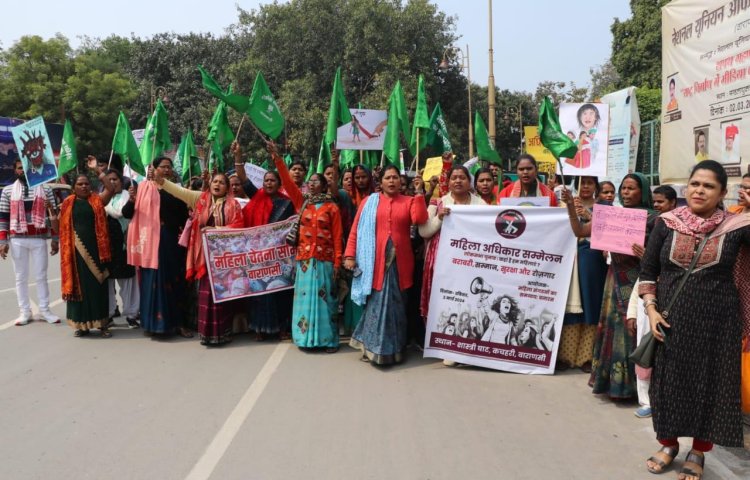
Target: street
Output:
{"points": [[132, 407]]}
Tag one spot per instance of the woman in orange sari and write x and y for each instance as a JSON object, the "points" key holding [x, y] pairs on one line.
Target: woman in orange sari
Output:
{"points": [[84, 255]]}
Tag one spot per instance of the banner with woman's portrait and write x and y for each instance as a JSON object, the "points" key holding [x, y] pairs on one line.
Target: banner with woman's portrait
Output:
{"points": [[246, 262], [500, 287]]}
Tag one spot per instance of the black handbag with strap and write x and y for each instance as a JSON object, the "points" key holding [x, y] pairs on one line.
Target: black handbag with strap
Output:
{"points": [[643, 356]]}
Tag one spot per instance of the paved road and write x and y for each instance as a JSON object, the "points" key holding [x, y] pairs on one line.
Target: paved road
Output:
{"points": [[131, 407]]}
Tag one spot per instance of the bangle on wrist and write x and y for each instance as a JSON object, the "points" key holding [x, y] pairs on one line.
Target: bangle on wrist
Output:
{"points": [[648, 303]]}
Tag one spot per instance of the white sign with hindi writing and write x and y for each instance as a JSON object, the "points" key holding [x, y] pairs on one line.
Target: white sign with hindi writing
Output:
{"points": [[500, 286], [255, 174]]}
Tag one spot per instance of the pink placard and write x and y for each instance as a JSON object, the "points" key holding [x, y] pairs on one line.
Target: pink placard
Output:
{"points": [[616, 229]]}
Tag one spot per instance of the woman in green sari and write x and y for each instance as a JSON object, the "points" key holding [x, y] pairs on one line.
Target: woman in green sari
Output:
{"points": [[612, 372], [84, 255]]}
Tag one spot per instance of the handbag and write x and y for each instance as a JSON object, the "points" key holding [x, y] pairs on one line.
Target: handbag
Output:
{"points": [[643, 356], [292, 238]]}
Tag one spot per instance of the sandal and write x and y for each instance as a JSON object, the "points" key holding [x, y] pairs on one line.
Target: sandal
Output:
{"points": [[106, 334], [670, 452], [696, 461], [80, 333], [332, 349], [185, 333]]}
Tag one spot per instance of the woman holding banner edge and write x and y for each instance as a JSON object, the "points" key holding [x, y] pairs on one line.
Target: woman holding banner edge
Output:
{"points": [[379, 245], [695, 383], [212, 208], [613, 373]]}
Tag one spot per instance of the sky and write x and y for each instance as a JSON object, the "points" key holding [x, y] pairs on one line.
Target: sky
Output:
{"points": [[534, 41]]}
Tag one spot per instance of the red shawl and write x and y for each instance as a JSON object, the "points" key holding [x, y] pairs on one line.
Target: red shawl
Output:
{"points": [[228, 214], [258, 211], [71, 286]]}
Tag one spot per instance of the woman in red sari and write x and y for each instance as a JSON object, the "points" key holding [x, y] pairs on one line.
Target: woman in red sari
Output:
{"points": [[213, 208]]}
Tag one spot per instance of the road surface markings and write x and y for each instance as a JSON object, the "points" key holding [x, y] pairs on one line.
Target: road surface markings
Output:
{"points": [[7, 325], [13, 289], [223, 439]]}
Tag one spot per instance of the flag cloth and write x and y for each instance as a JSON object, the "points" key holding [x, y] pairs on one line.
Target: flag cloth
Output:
{"points": [[398, 123], [220, 137], [187, 156], [421, 121], [437, 135], [551, 134], [288, 160], [263, 111], [485, 149], [123, 144], [68, 154], [240, 103], [156, 138], [338, 111], [324, 156]]}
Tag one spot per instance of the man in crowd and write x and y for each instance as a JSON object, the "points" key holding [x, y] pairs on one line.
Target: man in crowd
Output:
{"points": [[25, 226]]}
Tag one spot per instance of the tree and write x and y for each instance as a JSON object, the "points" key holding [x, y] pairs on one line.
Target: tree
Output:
{"points": [[375, 42], [636, 45], [604, 80], [33, 76]]}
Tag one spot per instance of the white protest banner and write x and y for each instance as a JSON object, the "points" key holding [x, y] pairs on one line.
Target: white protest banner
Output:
{"points": [[366, 131], [587, 124], [498, 299], [705, 87], [624, 133], [525, 202], [255, 174], [246, 262]]}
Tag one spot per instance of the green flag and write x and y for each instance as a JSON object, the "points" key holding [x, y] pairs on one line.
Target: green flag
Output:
{"points": [[123, 144], [437, 136], [421, 120], [398, 123], [551, 134], [68, 155], [338, 111], [485, 149], [238, 102], [263, 111], [187, 157], [156, 138], [288, 160], [324, 156], [220, 136]]}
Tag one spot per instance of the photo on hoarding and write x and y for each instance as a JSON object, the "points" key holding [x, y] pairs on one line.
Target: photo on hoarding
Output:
{"points": [[731, 140], [700, 135], [672, 104]]}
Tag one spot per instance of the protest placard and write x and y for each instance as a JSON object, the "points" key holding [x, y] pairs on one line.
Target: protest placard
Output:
{"points": [[500, 285], [255, 174], [246, 262], [432, 168], [366, 131], [35, 151], [616, 229]]}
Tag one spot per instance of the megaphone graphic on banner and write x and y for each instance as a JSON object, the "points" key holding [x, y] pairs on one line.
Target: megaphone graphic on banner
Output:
{"points": [[478, 286]]}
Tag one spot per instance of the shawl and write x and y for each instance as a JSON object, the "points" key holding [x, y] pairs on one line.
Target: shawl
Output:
{"points": [[366, 233], [647, 201], [686, 222], [226, 213], [18, 222], [145, 228], [258, 211], [71, 287]]}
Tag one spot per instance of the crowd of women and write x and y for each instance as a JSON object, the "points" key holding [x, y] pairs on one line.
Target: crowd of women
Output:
{"points": [[366, 248]]}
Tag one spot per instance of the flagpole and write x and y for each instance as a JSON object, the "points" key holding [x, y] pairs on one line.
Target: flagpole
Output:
{"points": [[242, 120], [416, 159], [361, 157], [111, 154]]}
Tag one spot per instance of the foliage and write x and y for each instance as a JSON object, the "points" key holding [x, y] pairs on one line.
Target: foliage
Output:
{"points": [[649, 103], [636, 45], [604, 80]]}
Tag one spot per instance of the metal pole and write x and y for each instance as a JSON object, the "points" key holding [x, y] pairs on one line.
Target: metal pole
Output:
{"points": [[471, 123], [491, 88]]}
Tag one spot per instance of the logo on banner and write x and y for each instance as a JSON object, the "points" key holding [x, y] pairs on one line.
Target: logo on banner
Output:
{"points": [[510, 224]]}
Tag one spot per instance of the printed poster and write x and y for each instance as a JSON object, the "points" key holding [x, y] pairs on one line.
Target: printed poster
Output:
{"points": [[705, 87], [35, 150], [624, 134], [587, 124], [500, 286], [366, 131], [247, 262]]}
